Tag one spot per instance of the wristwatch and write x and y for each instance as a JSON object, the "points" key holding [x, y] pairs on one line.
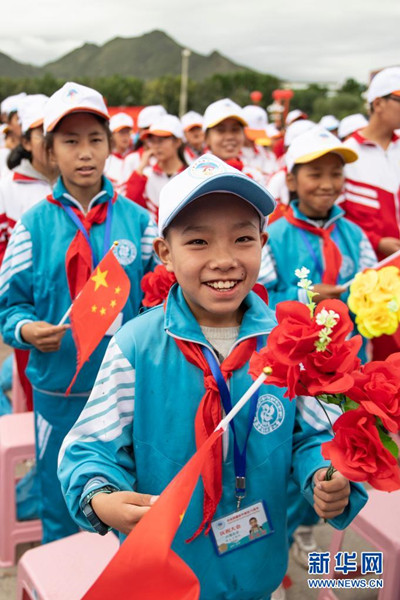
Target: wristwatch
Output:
{"points": [[89, 513]]}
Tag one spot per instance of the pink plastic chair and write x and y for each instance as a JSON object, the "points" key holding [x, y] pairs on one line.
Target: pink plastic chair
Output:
{"points": [[379, 524], [17, 443], [65, 569], [18, 398]]}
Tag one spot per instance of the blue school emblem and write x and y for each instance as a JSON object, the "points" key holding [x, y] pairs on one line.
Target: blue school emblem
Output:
{"points": [[205, 167], [125, 252], [269, 414]]}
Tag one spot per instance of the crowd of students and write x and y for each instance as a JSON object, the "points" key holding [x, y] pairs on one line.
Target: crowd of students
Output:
{"points": [[223, 200]]}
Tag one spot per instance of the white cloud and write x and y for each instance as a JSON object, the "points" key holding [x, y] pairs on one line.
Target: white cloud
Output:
{"points": [[308, 40]]}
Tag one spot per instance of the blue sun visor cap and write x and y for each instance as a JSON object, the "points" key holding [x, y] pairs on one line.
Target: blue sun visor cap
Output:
{"points": [[205, 175]]}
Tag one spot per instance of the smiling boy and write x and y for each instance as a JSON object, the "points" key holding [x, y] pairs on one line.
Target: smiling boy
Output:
{"points": [[155, 398]]}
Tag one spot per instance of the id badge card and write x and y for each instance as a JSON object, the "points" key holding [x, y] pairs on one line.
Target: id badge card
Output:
{"points": [[240, 528], [115, 325]]}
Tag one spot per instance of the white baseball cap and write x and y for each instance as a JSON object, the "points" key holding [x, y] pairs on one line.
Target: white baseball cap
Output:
{"points": [[73, 97], [329, 122], [294, 115], [272, 131], [350, 124], [297, 128], [384, 83], [205, 175], [165, 126], [220, 110], [149, 114], [120, 121], [191, 119], [12, 103], [257, 120], [31, 112], [316, 143]]}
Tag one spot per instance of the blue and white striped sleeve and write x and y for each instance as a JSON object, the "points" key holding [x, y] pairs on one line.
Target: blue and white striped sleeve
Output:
{"points": [[99, 448], [367, 258], [149, 257], [16, 287]]}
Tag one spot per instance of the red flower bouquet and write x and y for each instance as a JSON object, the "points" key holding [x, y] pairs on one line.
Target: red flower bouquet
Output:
{"points": [[309, 354]]}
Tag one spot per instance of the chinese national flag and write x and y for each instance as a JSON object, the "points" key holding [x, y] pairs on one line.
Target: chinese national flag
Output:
{"points": [[100, 301], [145, 566]]}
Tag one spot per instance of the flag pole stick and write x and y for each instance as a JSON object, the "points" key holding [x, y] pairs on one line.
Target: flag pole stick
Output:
{"points": [[66, 315], [246, 396], [379, 265]]}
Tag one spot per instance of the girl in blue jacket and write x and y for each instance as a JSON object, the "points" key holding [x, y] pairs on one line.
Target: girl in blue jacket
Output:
{"points": [[50, 256], [154, 398]]}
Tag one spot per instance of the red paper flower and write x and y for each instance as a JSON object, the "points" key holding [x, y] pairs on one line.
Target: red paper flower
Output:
{"points": [[295, 335], [282, 375], [358, 453], [331, 371], [156, 285], [376, 389]]}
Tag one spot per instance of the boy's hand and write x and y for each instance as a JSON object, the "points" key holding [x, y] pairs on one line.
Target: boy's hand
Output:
{"points": [[122, 510], [44, 336], [330, 497], [327, 291], [145, 160]]}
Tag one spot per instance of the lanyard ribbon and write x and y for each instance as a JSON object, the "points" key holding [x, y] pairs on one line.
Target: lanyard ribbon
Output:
{"points": [[312, 253], [239, 457], [107, 234]]}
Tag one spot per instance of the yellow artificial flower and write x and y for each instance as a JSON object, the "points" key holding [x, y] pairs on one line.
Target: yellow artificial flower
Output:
{"points": [[389, 280], [376, 321], [362, 289]]}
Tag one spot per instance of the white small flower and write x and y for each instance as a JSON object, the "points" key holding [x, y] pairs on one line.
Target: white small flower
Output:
{"points": [[327, 318], [393, 305], [306, 284], [302, 273]]}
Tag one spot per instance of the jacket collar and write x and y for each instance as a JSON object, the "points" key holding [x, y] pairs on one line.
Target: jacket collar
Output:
{"points": [[61, 194], [335, 213], [180, 322]]}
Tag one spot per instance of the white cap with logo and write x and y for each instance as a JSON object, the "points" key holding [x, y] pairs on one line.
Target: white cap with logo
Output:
{"points": [[220, 110], [71, 98], [149, 114], [205, 175], [120, 121], [316, 143]]}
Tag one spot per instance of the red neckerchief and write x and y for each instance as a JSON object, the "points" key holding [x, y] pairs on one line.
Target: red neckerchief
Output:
{"points": [[331, 253], [361, 139], [78, 260], [208, 416], [24, 178], [236, 163]]}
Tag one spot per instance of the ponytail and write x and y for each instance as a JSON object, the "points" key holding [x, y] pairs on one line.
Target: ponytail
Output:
{"points": [[16, 155]]}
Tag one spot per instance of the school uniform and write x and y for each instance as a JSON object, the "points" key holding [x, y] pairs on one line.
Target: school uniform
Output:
{"points": [[149, 436], [114, 170], [290, 247], [34, 287], [372, 188], [144, 189]]}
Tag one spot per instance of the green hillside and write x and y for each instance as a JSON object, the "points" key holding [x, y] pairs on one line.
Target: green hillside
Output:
{"points": [[11, 68], [149, 56]]}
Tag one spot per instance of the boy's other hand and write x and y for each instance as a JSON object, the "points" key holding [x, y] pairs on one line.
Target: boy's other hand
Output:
{"points": [[388, 245], [330, 497], [122, 510], [44, 336], [327, 291], [145, 160]]}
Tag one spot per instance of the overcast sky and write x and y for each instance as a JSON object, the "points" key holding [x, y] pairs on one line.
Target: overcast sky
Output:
{"points": [[298, 40]]}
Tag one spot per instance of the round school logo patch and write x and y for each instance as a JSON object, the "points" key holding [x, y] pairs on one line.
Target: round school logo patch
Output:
{"points": [[125, 252], [205, 167], [347, 268], [269, 414]]}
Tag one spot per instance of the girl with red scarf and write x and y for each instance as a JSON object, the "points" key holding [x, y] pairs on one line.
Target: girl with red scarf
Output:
{"points": [[50, 256]]}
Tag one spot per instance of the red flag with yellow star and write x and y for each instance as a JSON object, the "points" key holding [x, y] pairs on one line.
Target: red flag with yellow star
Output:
{"points": [[99, 303], [145, 566]]}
